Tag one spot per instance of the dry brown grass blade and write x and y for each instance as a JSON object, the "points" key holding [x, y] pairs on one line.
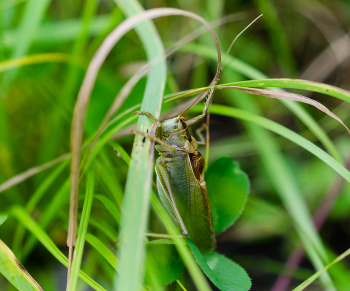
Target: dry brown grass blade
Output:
{"points": [[31, 172], [85, 92], [289, 96]]}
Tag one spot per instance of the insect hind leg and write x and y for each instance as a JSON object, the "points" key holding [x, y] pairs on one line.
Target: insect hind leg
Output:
{"points": [[167, 236]]}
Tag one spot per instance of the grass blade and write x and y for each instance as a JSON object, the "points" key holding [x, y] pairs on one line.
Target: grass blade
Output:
{"points": [[290, 96], [283, 131], [58, 31], [13, 270], [131, 249], [296, 84], [103, 250], [89, 195], [303, 285], [33, 15], [22, 216], [37, 59], [283, 181]]}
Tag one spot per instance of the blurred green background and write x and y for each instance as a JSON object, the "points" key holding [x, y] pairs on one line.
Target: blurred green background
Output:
{"points": [[45, 48]]}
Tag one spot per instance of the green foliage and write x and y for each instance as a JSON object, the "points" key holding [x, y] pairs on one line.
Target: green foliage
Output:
{"points": [[225, 274], [167, 263], [294, 155], [228, 189]]}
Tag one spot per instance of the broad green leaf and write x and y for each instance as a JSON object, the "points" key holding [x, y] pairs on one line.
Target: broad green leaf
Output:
{"points": [[228, 188], [13, 270], [167, 262], [224, 273]]}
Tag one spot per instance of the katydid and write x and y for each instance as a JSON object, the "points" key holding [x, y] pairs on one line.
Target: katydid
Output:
{"points": [[180, 172], [180, 177]]}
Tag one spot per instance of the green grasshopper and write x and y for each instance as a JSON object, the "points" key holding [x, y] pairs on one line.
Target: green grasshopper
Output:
{"points": [[180, 177]]}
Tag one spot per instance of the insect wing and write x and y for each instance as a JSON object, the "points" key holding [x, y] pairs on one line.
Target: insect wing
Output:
{"points": [[190, 199], [200, 225]]}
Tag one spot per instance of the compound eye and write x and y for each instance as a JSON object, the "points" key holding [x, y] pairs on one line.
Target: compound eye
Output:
{"points": [[175, 126]]}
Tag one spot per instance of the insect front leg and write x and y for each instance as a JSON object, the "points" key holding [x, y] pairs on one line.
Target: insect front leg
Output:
{"points": [[159, 131], [155, 139], [205, 110]]}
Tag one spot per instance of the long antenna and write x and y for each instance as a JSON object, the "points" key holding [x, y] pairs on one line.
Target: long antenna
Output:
{"points": [[223, 63], [219, 70]]}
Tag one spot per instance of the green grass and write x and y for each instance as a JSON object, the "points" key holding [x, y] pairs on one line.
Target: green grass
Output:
{"points": [[52, 79]]}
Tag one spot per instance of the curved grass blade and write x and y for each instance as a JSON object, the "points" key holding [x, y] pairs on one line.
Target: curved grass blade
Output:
{"points": [[130, 248], [290, 96], [38, 59], [13, 270], [283, 131], [303, 285], [296, 84], [32, 171]]}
